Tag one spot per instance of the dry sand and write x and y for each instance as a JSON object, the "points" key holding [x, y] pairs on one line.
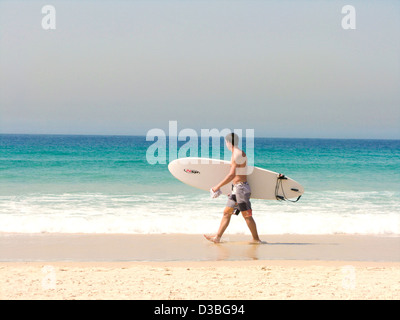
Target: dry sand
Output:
{"points": [[200, 280], [291, 267]]}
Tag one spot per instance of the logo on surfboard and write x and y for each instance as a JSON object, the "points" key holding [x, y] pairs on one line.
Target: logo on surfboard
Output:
{"points": [[191, 171]]}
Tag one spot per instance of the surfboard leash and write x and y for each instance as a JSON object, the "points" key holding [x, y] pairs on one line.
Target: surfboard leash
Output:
{"points": [[278, 185]]}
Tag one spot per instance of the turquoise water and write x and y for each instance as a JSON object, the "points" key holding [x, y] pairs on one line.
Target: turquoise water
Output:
{"points": [[51, 183]]}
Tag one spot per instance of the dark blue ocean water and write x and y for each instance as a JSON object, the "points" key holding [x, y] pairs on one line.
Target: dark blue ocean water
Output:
{"points": [[60, 183]]}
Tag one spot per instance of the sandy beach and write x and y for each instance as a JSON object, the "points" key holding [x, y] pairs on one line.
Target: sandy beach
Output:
{"points": [[50, 266], [200, 280]]}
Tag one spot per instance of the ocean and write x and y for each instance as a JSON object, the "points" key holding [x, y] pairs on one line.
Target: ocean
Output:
{"points": [[104, 184]]}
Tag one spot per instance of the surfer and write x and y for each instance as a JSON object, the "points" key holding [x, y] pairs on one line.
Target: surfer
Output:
{"points": [[239, 199]]}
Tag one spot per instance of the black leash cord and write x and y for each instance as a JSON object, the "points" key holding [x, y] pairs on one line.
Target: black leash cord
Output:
{"points": [[279, 180]]}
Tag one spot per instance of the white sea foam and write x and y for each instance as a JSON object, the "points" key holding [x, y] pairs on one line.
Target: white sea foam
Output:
{"points": [[317, 213]]}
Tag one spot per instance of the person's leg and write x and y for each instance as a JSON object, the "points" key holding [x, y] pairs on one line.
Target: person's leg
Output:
{"points": [[243, 194], [247, 215], [226, 218]]}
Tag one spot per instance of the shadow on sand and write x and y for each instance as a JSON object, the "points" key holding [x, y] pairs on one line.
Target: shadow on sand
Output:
{"points": [[245, 250]]}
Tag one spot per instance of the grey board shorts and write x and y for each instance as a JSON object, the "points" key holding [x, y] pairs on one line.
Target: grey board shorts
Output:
{"points": [[240, 197]]}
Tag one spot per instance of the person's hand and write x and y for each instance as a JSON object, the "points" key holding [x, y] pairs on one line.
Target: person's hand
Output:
{"points": [[215, 194], [215, 189]]}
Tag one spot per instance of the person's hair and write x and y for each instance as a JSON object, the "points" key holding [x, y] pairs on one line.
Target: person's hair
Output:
{"points": [[233, 139]]}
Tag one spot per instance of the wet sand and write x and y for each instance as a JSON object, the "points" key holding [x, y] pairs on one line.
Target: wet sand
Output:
{"points": [[182, 247]]}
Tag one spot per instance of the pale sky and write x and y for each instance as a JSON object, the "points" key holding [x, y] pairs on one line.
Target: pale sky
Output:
{"points": [[282, 68]]}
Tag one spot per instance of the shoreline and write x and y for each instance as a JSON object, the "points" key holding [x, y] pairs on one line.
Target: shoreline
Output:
{"points": [[189, 247]]}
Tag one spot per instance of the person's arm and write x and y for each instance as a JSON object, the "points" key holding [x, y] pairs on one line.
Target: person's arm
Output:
{"points": [[228, 178]]}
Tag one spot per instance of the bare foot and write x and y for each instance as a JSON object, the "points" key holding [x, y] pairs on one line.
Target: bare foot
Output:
{"points": [[213, 238]]}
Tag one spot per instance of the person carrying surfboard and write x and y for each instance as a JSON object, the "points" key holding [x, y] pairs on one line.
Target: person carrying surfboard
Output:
{"points": [[239, 198]]}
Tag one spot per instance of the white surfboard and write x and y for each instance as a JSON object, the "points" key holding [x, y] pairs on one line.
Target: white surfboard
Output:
{"points": [[204, 173]]}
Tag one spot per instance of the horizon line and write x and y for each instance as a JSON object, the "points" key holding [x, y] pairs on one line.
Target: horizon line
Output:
{"points": [[141, 135]]}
